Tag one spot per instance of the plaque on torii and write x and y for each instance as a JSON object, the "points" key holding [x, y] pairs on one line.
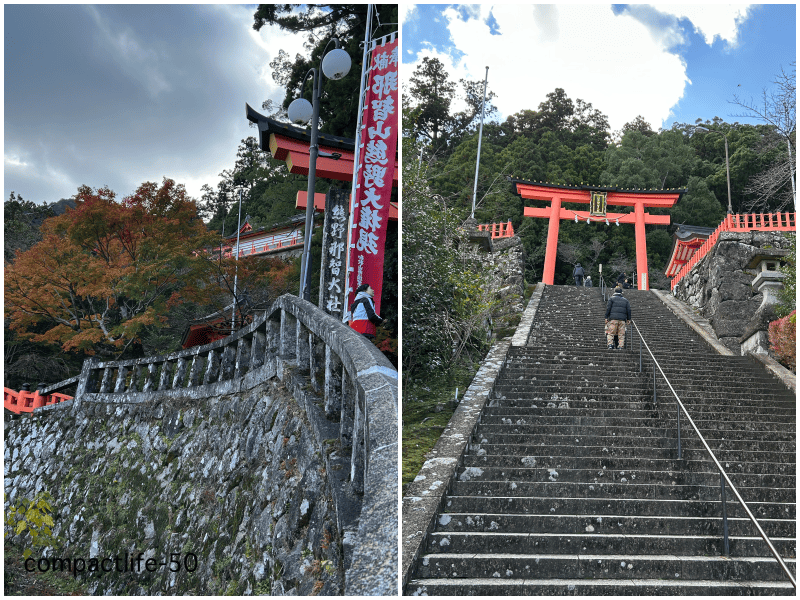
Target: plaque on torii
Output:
{"points": [[598, 199]]}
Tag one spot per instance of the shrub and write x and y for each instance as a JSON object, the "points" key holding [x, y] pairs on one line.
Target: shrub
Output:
{"points": [[32, 516], [782, 340]]}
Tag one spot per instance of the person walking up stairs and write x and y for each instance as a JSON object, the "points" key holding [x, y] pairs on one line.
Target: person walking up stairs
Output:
{"points": [[618, 314]]}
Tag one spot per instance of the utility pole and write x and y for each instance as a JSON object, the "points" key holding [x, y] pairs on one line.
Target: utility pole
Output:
{"points": [[480, 136]]}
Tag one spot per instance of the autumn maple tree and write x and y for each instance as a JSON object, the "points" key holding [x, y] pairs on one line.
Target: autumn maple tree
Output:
{"points": [[108, 269]]}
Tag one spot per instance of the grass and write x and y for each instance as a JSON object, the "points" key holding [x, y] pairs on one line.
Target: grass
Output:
{"points": [[20, 582], [422, 425]]}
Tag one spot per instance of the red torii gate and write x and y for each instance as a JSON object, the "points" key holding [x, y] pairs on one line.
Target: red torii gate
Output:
{"points": [[598, 198]]}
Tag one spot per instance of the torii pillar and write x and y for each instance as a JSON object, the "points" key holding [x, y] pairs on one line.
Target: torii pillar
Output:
{"points": [[598, 199]]}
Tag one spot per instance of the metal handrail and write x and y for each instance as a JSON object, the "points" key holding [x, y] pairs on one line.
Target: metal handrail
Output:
{"points": [[723, 474]]}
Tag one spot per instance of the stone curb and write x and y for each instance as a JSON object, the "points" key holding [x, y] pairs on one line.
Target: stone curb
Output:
{"points": [[426, 493], [702, 329], [520, 337], [788, 378]]}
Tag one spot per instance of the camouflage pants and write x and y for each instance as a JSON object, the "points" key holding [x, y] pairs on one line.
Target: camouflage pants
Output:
{"points": [[615, 327]]}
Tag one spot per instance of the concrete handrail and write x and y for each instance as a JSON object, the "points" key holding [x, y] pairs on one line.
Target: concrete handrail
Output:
{"points": [[359, 388], [722, 472]]}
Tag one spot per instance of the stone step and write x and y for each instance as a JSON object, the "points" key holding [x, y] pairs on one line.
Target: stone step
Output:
{"points": [[595, 587], [505, 566], [771, 435], [629, 490], [624, 464], [710, 476], [590, 543], [648, 420], [610, 524], [618, 506], [632, 451], [584, 408], [688, 441]]}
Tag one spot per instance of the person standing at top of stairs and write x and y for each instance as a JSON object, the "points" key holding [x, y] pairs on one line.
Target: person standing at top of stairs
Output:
{"points": [[618, 312], [578, 274]]}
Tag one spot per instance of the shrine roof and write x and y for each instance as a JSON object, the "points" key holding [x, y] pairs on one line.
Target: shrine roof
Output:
{"points": [[687, 232], [687, 240], [244, 232], [266, 126], [595, 188]]}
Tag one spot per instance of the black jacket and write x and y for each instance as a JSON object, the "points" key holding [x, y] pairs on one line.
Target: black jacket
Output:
{"points": [[618, 308], [578, 271]]}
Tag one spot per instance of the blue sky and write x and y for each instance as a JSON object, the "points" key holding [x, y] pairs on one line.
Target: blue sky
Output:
{"points": [[121, 94], [667, 63]]}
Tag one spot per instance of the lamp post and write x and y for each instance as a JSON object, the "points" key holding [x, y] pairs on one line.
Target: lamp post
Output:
{"points": [[335, 65], [727, 164], [236, 273]]}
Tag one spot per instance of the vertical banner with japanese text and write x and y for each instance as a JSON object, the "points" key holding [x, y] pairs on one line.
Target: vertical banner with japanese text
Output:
{"points": [[334, 252], [374, 172]]}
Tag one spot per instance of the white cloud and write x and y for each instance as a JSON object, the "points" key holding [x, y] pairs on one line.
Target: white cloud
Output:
{"points": [[612, 61], [711, 20], [14, 162], [408, 12]]}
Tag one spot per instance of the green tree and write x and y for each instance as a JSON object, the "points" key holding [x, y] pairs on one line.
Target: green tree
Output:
{"points": [[21, 221], [319, 23], [431, 94]]}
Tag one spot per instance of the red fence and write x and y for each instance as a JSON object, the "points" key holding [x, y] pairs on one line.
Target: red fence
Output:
{"points": [[749, 222], [25, 402], [261, 247], [499, 230]]}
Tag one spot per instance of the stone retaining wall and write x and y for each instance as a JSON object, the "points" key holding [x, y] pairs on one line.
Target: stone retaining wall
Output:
{"points": [[270, 456], [719, 286]]}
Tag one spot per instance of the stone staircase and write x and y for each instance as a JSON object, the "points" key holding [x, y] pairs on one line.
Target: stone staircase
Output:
{"points": [[572, 485]]}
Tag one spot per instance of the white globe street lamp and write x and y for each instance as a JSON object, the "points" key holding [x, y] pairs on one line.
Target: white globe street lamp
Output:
{"points": [[300, 111], [335, 65]]}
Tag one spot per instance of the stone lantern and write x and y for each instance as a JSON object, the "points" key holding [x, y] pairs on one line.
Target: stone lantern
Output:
{"points": [[768, 282]]}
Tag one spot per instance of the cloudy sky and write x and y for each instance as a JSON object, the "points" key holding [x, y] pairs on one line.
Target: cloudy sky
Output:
{"points": [[121, 94], [668, 63]]}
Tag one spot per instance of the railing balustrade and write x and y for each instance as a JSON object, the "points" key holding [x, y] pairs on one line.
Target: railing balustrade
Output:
{"points": [[498, 230], [681, 409]]}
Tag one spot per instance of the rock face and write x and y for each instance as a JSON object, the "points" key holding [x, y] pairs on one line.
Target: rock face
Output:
{"points": [[720, 285], [234, 485], [504, 260]]}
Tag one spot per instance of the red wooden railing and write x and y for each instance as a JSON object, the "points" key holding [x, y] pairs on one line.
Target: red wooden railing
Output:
{"points": [[260, 248], [750, 222], [499, 230], [25, 402]]}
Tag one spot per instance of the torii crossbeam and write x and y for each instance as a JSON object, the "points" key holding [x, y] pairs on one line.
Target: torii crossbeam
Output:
{"points": [[598, 198]]}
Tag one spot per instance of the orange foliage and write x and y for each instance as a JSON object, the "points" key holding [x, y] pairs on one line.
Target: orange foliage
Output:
{"points": [[103, 270], [783, 340]]}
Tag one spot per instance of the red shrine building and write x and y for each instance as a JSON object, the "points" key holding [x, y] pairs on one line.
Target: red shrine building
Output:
{"points": [[556, 197], [290, 144]]}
